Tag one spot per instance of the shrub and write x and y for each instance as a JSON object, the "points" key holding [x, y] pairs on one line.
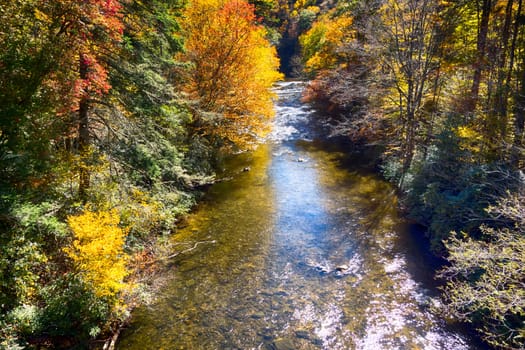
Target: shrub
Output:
{"points": [[98, 251], [73, 310], [485, 277]]}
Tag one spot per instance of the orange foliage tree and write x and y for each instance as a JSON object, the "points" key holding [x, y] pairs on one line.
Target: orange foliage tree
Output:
{"points": [[233, 67]]}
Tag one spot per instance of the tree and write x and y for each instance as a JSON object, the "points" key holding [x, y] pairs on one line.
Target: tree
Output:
{"points": [[99, 27], [480, 64], [86, 33], [321, 45], [491, 57], [519, 96], [233, 68], [485, 280], [410, 42], [30, 96]]}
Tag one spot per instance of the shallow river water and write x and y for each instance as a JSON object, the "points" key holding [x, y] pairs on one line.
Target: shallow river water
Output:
{"points": [[308, 252]]}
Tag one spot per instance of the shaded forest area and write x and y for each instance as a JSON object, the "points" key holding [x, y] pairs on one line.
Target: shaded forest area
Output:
{"points": [[114, 116]]}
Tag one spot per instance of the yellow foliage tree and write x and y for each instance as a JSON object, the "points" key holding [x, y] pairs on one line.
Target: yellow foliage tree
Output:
{"points": [[322, 42], [234, 66], [98, 251]]}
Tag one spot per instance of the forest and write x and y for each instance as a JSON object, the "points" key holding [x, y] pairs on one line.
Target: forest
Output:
{"points": [[115, 116]]}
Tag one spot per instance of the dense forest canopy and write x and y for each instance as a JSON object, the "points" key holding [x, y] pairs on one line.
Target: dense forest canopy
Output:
{"points": [[114, 115]]}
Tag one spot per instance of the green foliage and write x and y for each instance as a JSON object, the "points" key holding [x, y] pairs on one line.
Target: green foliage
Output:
{"points": [[26, 317], [266, 10], [307, 17], [8, 337], [33, 300], [29, 236], [72, 310], [485, 277], [153, 142], [27, 101], [20, 270], [451, 193], [273, 36]]}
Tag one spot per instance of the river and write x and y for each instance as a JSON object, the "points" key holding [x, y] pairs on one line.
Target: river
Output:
{"points": [[304, 251]]}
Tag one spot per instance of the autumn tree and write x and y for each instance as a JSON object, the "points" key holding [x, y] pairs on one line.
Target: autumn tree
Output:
{"points": [[95, 35], [410, 39], [487, 38], [481, 49], [519, 98], [321, 45], [233, 68], [85, 33], [501, 118]]}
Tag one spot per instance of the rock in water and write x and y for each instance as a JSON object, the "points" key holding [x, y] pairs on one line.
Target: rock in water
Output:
{"points": [[342, 268], [302, 333], [282, 344], [322, 269], [257, 315]]}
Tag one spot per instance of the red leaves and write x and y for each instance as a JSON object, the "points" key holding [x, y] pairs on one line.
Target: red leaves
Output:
{"points": [[106, 14], [88, 31], [113, 7], [96, 28], [95, 79]]}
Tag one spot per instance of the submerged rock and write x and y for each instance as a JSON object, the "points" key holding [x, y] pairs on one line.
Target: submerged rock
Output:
{"points": [[257, 315], [322, 269], [339, 274], [280, 292], [282, 344], [342, 268], [266, 333], [302, 333]]}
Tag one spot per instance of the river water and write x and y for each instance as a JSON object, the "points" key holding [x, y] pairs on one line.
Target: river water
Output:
{"points": [[304, 251]]}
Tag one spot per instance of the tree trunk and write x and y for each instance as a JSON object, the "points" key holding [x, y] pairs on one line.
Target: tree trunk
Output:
{"points": [[502, 88], [83, 133], [408, 147], [519, 117], [519, 121], [481, 51]]}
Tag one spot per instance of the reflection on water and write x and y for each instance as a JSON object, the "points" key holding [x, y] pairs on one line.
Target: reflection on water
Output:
{"points": [[310, 255]]}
